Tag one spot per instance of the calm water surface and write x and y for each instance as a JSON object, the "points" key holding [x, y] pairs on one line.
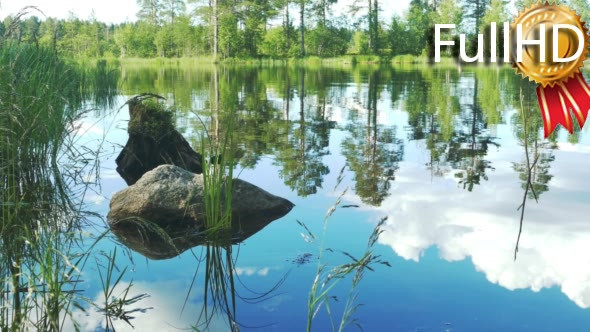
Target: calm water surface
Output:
{"points": [[439, 152]]}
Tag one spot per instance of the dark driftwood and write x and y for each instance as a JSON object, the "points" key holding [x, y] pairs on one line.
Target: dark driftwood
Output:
{"points": [[159, 144]]}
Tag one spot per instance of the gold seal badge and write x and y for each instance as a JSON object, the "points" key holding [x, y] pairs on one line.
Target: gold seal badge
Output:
{"points": [[549, 73]]}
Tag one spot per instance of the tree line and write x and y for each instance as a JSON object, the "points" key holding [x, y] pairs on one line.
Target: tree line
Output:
{"points": [[262, 28]]}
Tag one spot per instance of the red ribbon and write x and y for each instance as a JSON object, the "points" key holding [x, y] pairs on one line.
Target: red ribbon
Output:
{"points": [[557, 101]]}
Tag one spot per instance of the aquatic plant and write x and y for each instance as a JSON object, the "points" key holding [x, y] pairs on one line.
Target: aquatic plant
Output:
{"points": [[217, 190], [217, 150], [115, 305], [219, 292], [43, 182], [326, 278], [218, 165]]}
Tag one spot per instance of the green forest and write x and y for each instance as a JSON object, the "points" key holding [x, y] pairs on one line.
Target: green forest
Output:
{"points": [[251, 29]]}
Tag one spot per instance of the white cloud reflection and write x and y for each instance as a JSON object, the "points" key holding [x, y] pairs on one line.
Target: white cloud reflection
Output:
{"points": [[482, 225], [166, 298], [251, 271]]}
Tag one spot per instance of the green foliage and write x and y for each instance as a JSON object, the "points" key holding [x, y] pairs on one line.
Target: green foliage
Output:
{"points": [[255, 14], [136, 40], [398, 38], [167, 28], [231, 39], [474, 12], [360, 43], [164, 41], [327, 41], [419, 21], [449, 12], [149, 11], [497, 12], [274, 43]]}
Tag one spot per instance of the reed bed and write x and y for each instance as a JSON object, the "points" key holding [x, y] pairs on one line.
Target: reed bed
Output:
{"points": [[43, 182]]}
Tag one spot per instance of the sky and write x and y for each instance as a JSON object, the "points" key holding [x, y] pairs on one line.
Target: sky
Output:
{"points": [[117, 11]]}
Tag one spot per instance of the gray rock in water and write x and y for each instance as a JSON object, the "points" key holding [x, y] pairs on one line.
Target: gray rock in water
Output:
{"points": [[163, 214]]}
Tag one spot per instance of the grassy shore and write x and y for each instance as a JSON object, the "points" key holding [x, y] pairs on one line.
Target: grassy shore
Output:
{"points": [[346, 60], [44, 183]]}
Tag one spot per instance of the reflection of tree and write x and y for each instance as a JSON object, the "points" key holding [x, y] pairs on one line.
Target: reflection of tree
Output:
{"points": [[470, 145], [259, 123], [489, 95], [534, 171], [441, 107], [454, 126], [301, 151], [538, 153], [431, 103], [372, 152]]}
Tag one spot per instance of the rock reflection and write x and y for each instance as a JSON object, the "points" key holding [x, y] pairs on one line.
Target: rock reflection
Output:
{"points": [[162, 215]]}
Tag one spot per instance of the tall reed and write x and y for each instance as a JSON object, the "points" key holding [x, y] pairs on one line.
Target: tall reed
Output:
{"points": [[217, 150], [326, 278], [42, 186]]}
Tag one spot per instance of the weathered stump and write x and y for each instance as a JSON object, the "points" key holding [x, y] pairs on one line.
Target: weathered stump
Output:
{"points": [[153, 141]]}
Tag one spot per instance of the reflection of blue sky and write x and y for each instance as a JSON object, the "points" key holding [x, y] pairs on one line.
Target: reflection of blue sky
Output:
{"points": [[452, 249]]}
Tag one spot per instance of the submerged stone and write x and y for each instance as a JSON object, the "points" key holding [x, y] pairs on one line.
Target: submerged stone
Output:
{"points": [[163, 214]]}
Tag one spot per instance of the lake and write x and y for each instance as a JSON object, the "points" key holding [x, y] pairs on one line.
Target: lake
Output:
{"points": [[438, 151]]}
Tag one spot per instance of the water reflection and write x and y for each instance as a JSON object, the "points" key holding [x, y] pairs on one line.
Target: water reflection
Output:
{"points": [[290, 113], [439, 150], [372, 151], [304, 144], [166, 299]]}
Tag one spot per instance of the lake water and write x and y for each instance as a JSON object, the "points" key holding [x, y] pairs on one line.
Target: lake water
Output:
{"points": [[440, 152]]}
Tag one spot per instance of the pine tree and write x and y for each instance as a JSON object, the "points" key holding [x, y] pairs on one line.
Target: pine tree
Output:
{"points": [[150, 11], [475, 10]]}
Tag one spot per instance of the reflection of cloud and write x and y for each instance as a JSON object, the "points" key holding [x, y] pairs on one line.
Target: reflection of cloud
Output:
{"points": [[109, 174], [250, 271], [483, 225], [166, 298], [95, 199], [87, 126], [272, 304]]}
